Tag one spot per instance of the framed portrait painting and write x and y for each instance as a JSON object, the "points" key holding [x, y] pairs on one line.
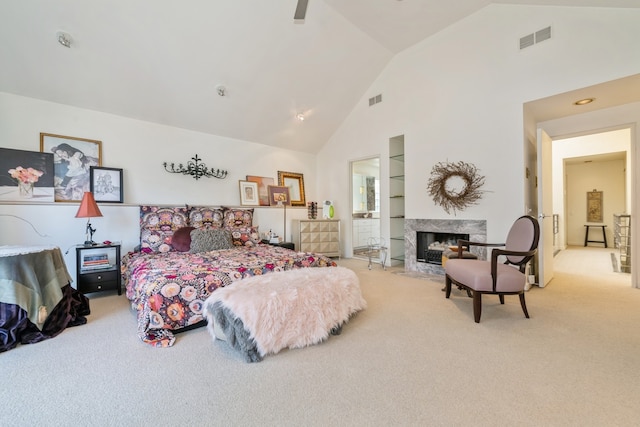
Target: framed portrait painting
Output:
{"points": [[72, 160], [249, 193], [295, 182], [263, 188], [279, 196], [106, 184]]}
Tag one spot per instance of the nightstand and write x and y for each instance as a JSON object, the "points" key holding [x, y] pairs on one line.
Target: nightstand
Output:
{"points": [[288, 245], [98, 268]]}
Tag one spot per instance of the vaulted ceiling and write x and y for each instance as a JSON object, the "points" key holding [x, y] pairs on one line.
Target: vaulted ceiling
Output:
{"points": [[165, 61]]}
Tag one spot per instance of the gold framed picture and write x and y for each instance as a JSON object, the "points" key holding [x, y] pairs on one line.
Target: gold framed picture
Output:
{"points": [[295, 182], [72, 161], [594, 206]]}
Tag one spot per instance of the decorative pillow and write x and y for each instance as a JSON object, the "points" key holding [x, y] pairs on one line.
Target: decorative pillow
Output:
{"points": [[245, 236], [210, 239], [181, 239], [237, 218], [157, 225], [205, 217]]}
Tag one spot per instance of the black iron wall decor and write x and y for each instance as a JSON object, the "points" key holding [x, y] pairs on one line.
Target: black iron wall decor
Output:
{"points": [[196, 169], [454, 186]]}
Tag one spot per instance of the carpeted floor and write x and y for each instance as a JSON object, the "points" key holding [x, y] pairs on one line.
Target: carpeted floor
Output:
{"points": [[411, 358]]}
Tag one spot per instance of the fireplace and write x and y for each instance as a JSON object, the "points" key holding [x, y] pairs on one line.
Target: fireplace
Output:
{"points": [[430, 245], [415, 258]]}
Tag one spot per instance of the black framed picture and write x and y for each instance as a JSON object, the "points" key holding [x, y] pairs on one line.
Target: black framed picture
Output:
{"points": [[106, 184]]}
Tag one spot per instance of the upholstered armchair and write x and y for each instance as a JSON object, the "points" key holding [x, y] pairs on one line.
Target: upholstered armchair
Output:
{"points": [[480, 277]]}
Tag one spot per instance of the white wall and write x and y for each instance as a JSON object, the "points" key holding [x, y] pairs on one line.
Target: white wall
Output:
{"points": [[607, 177], [612, 178], [139, 148], [459, 95]]}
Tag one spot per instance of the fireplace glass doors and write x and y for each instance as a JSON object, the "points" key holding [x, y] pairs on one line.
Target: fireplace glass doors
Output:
{"points": [[430, 245]]}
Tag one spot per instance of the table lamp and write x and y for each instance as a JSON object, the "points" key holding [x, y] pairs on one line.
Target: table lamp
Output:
{"points": [[88, 209], [284, 205]]}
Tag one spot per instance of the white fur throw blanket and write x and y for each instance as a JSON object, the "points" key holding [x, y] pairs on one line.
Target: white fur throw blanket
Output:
{"points": [[261, 315]]}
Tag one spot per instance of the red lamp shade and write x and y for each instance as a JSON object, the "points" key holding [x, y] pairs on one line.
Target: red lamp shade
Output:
{"points": [[88, 207]]}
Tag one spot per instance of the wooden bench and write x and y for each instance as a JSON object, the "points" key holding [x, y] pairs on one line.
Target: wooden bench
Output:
{"points": [[604, 235]]}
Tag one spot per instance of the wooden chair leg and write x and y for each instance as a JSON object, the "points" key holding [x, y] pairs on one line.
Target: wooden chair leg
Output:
{"points": [[477, 306], [524, 305], [501, 298], [447, 286]]}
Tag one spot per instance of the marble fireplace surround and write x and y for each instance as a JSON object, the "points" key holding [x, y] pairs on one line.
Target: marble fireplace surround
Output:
{"points": [[476, 229]]}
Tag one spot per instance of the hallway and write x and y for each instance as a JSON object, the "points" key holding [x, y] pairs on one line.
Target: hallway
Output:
{"points": [[593, 262]]}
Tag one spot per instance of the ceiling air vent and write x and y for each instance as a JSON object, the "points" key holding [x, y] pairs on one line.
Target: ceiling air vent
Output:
{"points": [[527, 41], [537, 37], [375, 100], [543, 34]]}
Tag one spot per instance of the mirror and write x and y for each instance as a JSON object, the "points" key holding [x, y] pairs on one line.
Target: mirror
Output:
{"points": [[364, 195], [365, 204]]}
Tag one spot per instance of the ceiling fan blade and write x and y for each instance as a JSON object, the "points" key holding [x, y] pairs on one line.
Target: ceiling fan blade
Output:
{"points": [[301, 10]]}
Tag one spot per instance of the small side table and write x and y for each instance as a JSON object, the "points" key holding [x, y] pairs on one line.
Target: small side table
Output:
{"points": [[288, 245], [98, 268], [586, 235], [33, 278], [376, 247]]}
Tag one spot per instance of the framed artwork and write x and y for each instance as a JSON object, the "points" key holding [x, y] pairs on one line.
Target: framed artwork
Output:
{"points": [[279, 196], [295, 182], [248, 193], [263, 188], [72, 159], [594, 206], [26, 176], [106, 184]]}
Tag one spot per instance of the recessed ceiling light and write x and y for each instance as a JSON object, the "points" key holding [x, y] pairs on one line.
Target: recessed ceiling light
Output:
{"points": [[221, 90], [584, 101], [64, 39], [300, 117]]}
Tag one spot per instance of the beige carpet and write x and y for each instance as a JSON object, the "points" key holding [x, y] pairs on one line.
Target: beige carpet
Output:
{"points": [[412, 358]]}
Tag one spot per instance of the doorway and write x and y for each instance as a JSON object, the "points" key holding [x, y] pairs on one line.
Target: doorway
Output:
{"points": [[573, 168], [616, 106], [595, 162], [365, 204], [599, 162]]}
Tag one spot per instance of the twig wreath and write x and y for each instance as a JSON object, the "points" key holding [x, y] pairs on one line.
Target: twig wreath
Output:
{"points": [[445, 194]]}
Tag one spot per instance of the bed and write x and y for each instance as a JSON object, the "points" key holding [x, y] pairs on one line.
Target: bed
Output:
{"points": [[167, 282]]}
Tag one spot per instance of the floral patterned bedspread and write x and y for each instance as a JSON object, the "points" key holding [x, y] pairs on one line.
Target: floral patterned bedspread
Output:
{"points": [[168, 290]]}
